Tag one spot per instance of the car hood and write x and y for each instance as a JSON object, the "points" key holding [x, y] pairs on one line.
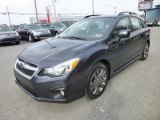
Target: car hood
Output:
{"points": [[51, 51], [40, 30]]}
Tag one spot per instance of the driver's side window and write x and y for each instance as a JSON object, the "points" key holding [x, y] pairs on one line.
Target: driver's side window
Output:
{"points": [[123, 24]]}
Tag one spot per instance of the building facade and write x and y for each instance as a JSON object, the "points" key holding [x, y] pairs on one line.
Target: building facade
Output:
{"points": [[153, 14]]}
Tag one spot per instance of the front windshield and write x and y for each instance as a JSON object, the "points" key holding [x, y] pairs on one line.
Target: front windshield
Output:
{"points": [[92, 28], [33, 27], [57, 25], [4, 28]]}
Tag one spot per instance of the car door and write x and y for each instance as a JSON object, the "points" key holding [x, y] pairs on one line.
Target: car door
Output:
{"points": [[20, 30], [119, 53], [138, 35], [25, 31]]}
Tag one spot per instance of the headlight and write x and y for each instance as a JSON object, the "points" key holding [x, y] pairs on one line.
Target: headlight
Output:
{"points": [[35, 33], [49, 31], [1, 36], [16, 34], [62, 69]]}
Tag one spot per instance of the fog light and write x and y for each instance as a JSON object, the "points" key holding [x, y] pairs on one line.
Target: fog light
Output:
{"points": [[58, 93]]}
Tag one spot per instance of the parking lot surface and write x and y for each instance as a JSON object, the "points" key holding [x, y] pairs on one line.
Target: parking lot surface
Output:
{"points": [[133, 94]]}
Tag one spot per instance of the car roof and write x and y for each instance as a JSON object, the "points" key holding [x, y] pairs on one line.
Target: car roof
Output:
{"points": [[121, 14], [100, 16]]}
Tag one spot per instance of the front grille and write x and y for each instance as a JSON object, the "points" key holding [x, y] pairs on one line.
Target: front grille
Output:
{"points": [[10, 39], [26, 68], [25, 71]]}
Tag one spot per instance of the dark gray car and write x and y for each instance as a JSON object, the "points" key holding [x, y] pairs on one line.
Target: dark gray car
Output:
{"points": [[55, 28], [33, 32], [82, 58], [7, 35]]}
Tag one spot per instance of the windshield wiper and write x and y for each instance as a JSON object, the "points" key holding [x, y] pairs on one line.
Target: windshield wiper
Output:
{"points": [[73, 37]]}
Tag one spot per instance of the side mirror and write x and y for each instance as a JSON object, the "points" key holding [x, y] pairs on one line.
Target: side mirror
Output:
{"points": [[124, 34]]}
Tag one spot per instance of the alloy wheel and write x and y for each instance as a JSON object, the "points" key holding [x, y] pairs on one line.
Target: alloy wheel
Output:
{"points": [[146, 50], [30, 38], [98, 81]]}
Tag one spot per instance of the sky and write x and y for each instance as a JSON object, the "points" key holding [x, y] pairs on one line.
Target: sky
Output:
{"points": [[64, 7]]}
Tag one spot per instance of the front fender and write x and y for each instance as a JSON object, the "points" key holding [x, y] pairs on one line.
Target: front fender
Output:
{"points": [[91, 57]]}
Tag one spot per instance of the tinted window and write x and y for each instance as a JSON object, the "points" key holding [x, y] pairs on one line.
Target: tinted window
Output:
{"points": [[34, 26], [93, 28], [25, 27], [49, 26], [57, 25], [123, 24], [135, 24], [4, 28]]}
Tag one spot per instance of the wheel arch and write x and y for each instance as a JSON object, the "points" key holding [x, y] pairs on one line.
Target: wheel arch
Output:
{"points": [[148, 42], [106, 63]]}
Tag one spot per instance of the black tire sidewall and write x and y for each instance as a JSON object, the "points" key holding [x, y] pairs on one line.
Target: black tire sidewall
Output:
{"points": [[143, 57], [18, 42], [32, 40], [87, 89]]}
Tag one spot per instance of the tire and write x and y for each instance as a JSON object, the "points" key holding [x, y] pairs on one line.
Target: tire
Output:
{"points": [[97, 81], [21, 38], [18, 42], [30, 38], [56, 33], [145, 52]]}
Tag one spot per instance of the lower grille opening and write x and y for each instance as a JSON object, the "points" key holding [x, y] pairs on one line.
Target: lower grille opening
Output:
{"points": [[27, 88]]}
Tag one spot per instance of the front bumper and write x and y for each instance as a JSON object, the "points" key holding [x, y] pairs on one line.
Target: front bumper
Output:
{"points": [[42, 36], [10, 39], [47, 89]]}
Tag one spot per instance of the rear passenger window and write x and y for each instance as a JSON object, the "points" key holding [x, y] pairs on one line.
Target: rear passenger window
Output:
{"points": [[135, 24], [123, 24]]}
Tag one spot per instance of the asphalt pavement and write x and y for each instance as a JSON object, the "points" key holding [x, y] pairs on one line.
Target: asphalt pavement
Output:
{"points": [[133, 94]]}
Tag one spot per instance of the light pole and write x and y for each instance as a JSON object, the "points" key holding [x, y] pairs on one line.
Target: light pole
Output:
{"points": [[48, 14], [93, 7], [115, 8], [54, 7], [8, 16], [36, 10]]}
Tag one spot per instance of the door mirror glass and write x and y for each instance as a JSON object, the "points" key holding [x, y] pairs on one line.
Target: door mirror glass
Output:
{"points": [[124, 34]]}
